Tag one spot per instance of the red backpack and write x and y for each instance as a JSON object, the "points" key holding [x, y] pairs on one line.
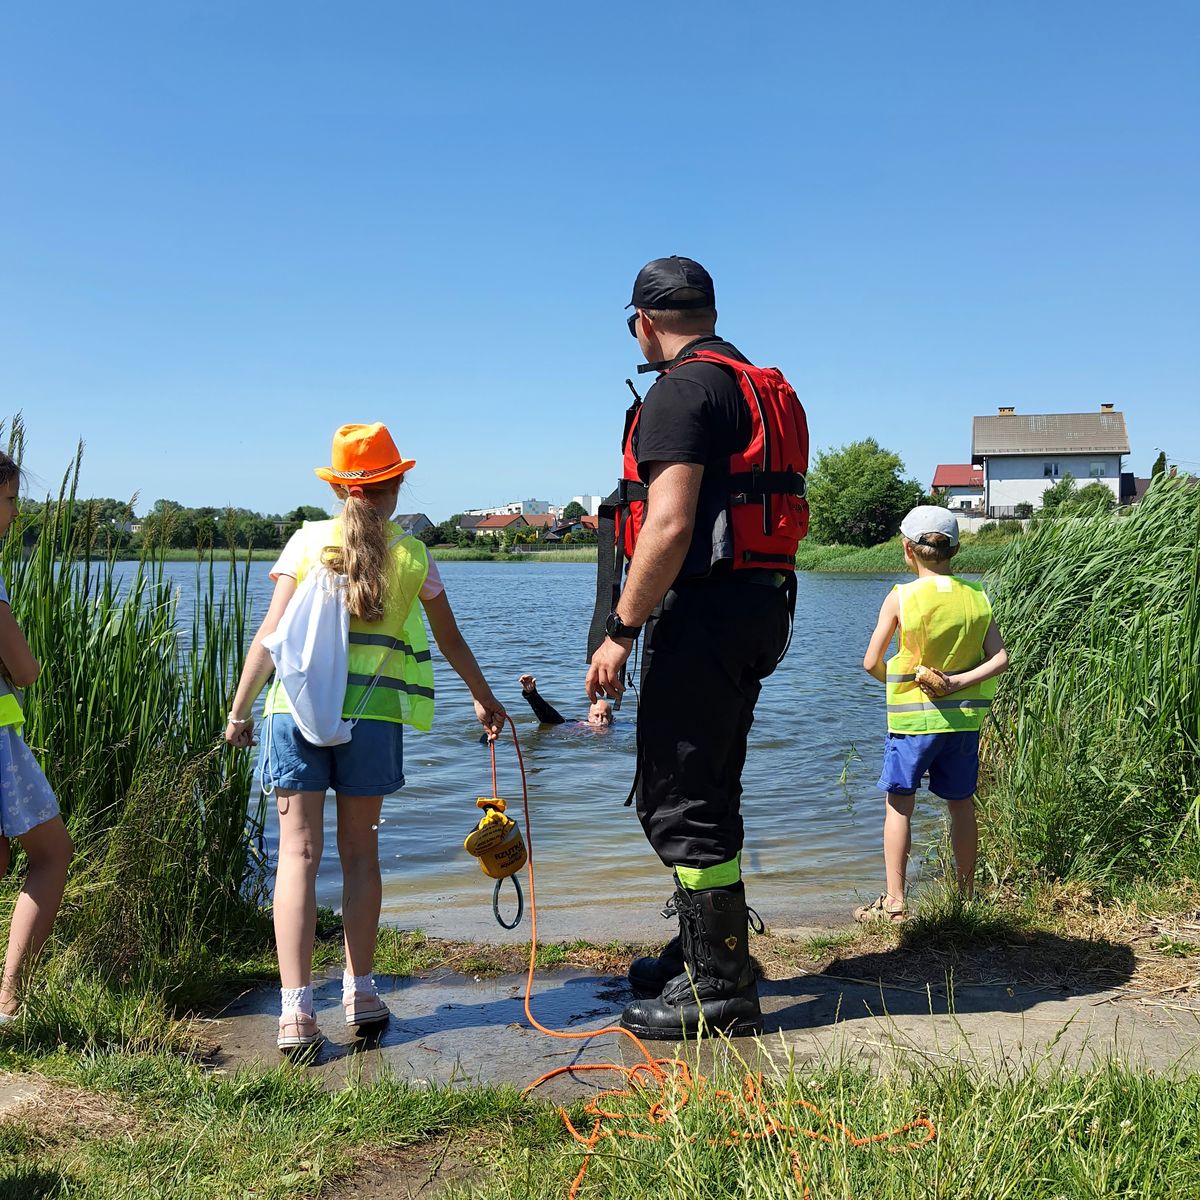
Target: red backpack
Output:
{"points": [[768, 514]]}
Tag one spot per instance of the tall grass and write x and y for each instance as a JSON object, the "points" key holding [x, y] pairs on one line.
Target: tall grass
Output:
{"points": [[1094, 753], [978, 555], [127, 719]]}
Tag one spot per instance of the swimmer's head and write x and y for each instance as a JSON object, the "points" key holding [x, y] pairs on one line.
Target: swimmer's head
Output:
{"points": [[600, 713]]}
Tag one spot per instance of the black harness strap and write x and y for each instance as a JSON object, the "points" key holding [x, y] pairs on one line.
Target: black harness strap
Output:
{"points": [[749, 487]]}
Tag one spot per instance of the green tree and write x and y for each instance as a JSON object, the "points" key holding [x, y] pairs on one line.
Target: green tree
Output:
{"points": [[1160, 465], [573, 511], [1059, 497], [858, 495], [1093, 499]]}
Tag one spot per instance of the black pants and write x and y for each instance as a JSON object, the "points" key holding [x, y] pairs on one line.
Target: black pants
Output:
{"points": [[707, 650]]}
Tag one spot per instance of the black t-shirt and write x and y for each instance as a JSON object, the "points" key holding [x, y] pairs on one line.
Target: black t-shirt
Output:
{"points": [[697, 414]]}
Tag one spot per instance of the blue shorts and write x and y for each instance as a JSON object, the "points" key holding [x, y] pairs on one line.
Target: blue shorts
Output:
{"points": [[951, 760], [371, 763]]}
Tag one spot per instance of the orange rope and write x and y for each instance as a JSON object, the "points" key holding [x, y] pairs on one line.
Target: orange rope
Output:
{"points": [[673, 1077]]}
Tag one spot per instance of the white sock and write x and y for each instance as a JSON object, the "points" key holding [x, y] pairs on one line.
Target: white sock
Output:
{"points": [[296, 1000], [356, 983]]}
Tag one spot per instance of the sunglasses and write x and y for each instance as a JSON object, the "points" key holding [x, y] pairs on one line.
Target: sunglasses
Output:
{"points": [[632, 323]]}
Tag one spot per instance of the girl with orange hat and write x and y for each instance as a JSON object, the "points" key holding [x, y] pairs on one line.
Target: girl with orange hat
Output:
{"points": [[389, 685]]}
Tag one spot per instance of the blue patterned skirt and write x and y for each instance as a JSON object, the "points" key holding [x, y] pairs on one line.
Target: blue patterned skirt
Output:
{"points": [[25, 797]]}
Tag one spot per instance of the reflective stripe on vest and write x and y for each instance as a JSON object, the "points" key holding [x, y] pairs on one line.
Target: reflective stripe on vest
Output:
{"points": [[395, 649], [943, 623]]}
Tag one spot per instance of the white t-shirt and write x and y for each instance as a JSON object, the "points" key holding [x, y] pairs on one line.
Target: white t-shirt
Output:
{"points": [[290, 555]]}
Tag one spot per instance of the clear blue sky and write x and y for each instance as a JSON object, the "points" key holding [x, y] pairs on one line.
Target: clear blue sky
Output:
{"points": [[227, 228]]}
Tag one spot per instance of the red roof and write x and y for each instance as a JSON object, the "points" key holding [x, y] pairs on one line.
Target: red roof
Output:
{"points": [[589, 522], [540, 521], [501, 521], [950, 475]]}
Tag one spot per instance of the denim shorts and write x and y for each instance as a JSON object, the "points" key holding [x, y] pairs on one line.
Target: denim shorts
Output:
{"points": [[26, 799], [371, 763], [951, 760]]}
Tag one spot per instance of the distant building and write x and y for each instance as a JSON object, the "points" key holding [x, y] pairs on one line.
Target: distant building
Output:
{"points": [[543, 522], [412, 523], [499, 522], [525, 508], [589, 504], [962, 484], [468, 522], [1022, 455]]}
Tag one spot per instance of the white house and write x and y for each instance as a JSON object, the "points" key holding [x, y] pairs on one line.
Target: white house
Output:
{"points": [[1022, 455], [962, 485]]}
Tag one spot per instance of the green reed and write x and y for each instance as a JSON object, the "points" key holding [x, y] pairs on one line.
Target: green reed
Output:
{"points": [[127, 720], [1093, 757]]}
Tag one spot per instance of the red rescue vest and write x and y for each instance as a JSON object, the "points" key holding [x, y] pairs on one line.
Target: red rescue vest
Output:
{"points": [[767, 513]]}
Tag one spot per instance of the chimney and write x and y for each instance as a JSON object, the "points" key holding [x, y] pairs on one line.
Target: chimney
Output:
{"points": [[1106, 408], [1007, 410]]}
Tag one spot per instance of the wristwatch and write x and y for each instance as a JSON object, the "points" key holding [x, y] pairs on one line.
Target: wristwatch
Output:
{"points": [[616, 628]]}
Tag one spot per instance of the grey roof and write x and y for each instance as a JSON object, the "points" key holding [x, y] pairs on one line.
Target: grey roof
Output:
{"points": [[1049, 433], [408, 520]]}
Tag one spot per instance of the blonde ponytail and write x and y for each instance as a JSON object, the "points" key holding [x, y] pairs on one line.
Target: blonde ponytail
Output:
{"points": [[363, 557]]}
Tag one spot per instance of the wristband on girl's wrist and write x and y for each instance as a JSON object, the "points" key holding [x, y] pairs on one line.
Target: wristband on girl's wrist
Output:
{"points": [[232, 720]]}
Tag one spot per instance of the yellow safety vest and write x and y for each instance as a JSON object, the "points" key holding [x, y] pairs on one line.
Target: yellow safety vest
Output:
{"points": [[10, 706], [396, 648], [943, 622]]}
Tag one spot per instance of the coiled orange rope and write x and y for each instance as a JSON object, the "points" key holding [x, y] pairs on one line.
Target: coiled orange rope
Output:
{"points": [[673, 1081]]}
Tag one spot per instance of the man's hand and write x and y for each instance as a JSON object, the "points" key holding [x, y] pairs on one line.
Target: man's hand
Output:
{"points": [[605, 675]]}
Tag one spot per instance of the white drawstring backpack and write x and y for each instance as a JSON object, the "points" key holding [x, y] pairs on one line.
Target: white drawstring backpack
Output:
{"points": [[310, 649], [311, 652]]}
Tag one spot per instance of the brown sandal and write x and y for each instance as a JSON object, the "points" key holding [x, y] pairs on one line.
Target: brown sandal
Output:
{"points": [[878, 910]]}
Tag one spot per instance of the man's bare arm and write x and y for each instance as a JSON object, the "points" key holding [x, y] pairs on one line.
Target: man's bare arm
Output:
{"points": [[664, 539]]}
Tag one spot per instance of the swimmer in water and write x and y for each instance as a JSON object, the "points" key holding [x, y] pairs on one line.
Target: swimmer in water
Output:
{"points": [[600, 714]]}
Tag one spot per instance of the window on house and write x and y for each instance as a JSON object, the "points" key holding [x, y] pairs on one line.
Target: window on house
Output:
{"points": [[1049, 470], [1096, 470]]}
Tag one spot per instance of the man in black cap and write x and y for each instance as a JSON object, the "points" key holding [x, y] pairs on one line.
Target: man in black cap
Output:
{"points": [[711, 539]]}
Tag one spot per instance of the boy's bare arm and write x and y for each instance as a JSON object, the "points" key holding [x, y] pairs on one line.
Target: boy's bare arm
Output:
{"points": [[995, 662], [874, 661]]}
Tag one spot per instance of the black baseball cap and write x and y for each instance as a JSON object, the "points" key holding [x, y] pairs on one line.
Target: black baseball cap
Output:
{"points": [[658, 281]]}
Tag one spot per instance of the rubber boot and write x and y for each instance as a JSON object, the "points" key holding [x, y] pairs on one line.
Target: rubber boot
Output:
{"points": [[648, 976], [717, 990]]}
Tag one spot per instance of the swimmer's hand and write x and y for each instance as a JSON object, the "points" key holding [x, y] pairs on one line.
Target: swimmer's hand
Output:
{"points": [[528, 684]]}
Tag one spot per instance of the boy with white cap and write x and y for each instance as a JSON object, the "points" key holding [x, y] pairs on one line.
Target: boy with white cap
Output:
{"points": [[940, 684]]}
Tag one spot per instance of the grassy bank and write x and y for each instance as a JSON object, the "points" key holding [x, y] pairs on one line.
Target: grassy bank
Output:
{"points": [[113, 1127], [1093, 755], [978, 556]]}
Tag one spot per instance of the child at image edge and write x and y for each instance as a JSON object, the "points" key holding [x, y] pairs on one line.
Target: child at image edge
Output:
{"points": [[946, 627], [28, 810], [390, 685]]}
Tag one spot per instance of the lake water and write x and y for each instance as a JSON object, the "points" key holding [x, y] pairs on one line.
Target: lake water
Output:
{"points": [[813, 816]]}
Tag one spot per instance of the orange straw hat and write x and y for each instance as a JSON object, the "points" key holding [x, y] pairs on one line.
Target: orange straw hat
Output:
{"points": [[364, 454]]}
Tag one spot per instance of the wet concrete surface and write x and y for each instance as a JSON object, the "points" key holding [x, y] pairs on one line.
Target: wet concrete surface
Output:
{"points": [[454, 1028], [16, 1091]]}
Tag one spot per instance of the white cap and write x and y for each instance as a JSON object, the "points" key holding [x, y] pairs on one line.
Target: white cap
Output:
{"points": [[930, 518]]}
